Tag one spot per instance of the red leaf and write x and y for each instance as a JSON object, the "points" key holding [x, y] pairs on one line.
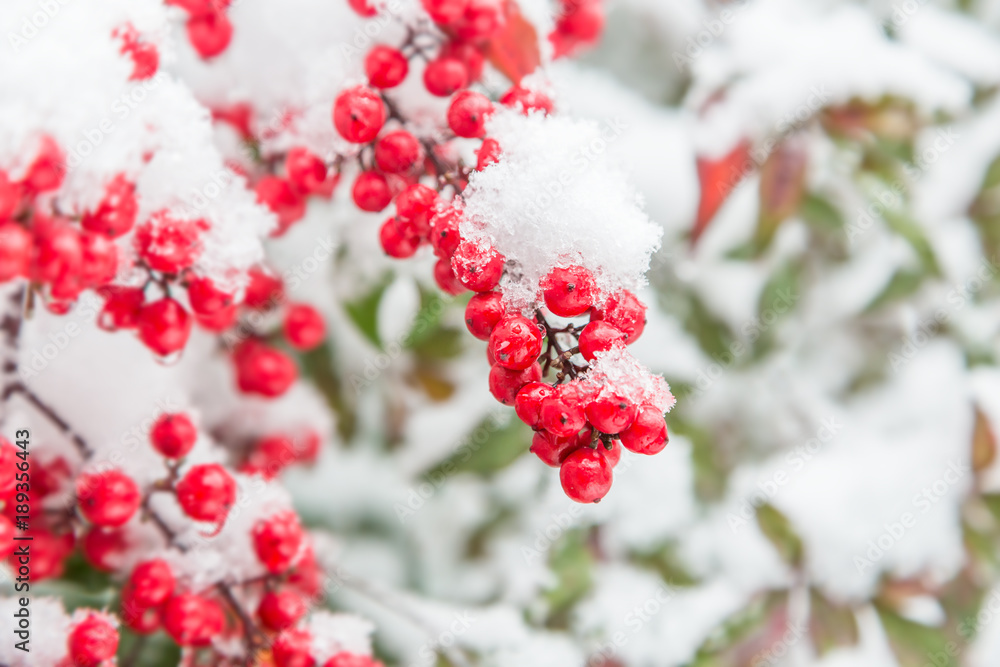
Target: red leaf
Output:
{"points": [[718, 178], [514, 50]]}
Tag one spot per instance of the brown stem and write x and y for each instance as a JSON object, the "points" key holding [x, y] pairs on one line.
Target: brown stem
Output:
{"points": [[49, 412], [563, 355], [252, 634]]}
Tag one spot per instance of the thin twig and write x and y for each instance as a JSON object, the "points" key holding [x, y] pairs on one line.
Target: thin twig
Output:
{"points": [[50, 414]]}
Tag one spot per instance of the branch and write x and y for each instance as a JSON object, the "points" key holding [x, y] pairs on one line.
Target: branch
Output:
{"points": [[49, 412]]}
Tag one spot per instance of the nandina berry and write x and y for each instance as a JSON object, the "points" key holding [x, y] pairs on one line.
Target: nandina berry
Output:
{"points": [[145, 60], [516, 342], [168, 243], [115, 213], [306, 171], [15, 251], [209, 32], [385, 67], [99, 259], [6, 537], [586, 475], [138, 618], [488, 153], [445, 278], [358, 114], [482, 314], [293, 648], [58, 255], [48, 554], [270, 456], [527, 100], [104, 548], [264, 290], [562, 413], [10, 196], [220, 321], [528, 404], [614, 454], [624, 312], [583, 21], [205, 298], [444, 76], [281, 609], [397, 151], [206, 492], [599, 336], [92, 641], [611, 412], [122, 306], [151, 583], [648, 432], [344, 659], [445, 12], [305, 328], [568, 291], [371, 192], [505, 383], [470, 55], [414, 208], [364, 8], [278, 195], [192, 620], [553, 449], [48, 169], [394, 242], [164, 326], [107, 498], [444, 235], [264, 370], [478, 268], [277, 540], [173, 435], [481, 21], [468, 113]]}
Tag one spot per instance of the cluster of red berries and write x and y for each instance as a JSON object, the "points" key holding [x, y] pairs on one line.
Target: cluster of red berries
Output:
{"points": [[208, 27], [293, 648]]}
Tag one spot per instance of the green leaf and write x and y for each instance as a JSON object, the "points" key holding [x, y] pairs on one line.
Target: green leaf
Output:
{"points": [[318, 365], [902, 284], [155, 650], [779, 531], [820, 213], [912, 642], [831, 625], [571, 562], [490, 447], [906, 227], [364, 311]]}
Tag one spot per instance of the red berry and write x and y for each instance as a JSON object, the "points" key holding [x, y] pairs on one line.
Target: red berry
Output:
{"points": [[397, 152], [164, 326], [292, 648], [444, 76], [206, 492], [527, 100], [481, 21], [269, 456], [528, 404], [395, 243], [263, 370], [586, 475], [444, 236], [6, 537], [470, 55], [10, 196], [516, 342], [648, 433], [505, 383], [445, 278], [8, 468], [151, 583], [344, 659], [115, 214], [15, 251], [358, 114], [205, 298], [599, 336], [624, 312], [145, 60], [613, 455], [414, 208], [553, 449], [364, 8], [173, 435], [445, 12], [583, 21], [48, 169], [92, 641], [122, 307], [48, 554], [306, 172], [281, 609], [169, 244], [479, 269], [264, 290], [283, 200], [468, 113], [58, 255], [192, 620], [488, 153], [104, 548], [371, 192], [568, 291], [304, 327], [482, 314], [107, 498], [99, 259], [138, 618], [611, 413], [277, 541], [209, 33], [562, 414], [220, 321], [386, 67]]}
